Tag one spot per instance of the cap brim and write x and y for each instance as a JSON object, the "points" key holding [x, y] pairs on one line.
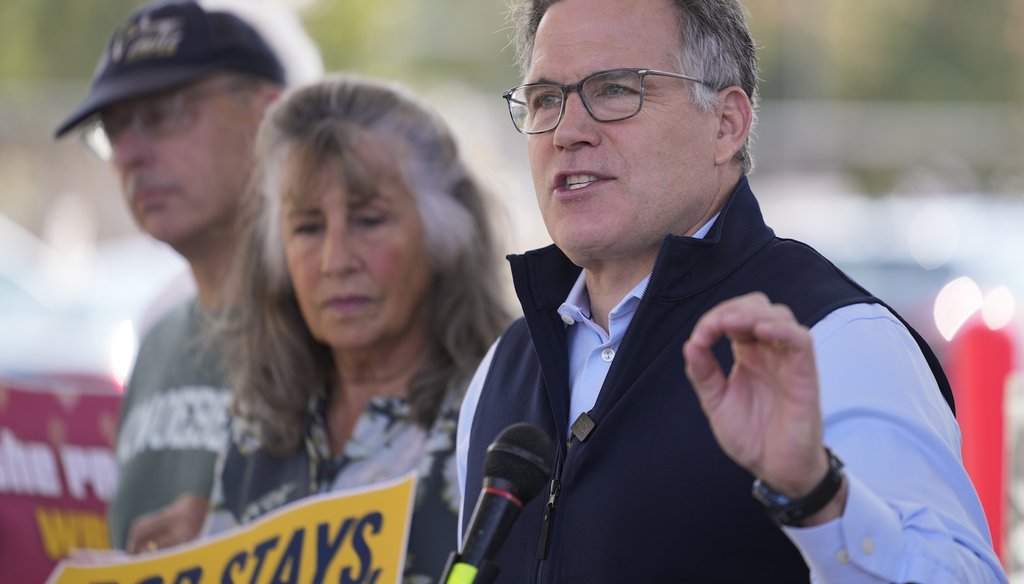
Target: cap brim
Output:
{"points": [[138, 84]]}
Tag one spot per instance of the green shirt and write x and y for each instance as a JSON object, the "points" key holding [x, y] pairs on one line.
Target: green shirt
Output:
{"points": [[173, 420]]}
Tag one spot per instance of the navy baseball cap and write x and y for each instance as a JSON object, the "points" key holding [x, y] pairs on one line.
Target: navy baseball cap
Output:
{"points": [[168, 44]]}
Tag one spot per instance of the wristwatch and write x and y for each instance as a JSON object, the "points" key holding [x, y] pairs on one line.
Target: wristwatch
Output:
{"points": [[790, 511]]}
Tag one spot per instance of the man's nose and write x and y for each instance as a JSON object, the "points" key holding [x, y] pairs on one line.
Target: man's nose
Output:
{"points": [[130, 147], [577, 126]]}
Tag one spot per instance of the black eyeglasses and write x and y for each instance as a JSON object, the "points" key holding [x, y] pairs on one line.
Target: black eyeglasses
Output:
{"points": [[608, 96]]}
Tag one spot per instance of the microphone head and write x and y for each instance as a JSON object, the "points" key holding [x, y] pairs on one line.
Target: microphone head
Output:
{"points": [[522, 456]]}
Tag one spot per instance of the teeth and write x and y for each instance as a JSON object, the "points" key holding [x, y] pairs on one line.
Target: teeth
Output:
{"points": [[578, 181]]}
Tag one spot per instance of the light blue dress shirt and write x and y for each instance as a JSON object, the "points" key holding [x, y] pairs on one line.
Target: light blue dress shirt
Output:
{"points": [[912, 514]]}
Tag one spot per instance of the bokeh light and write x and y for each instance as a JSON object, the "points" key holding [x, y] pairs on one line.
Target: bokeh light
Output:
{"points": [[123, 344], [999, 308], [954, 304]]}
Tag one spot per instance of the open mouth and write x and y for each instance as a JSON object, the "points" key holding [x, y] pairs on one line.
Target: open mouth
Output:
{"points": [[578, 181]]}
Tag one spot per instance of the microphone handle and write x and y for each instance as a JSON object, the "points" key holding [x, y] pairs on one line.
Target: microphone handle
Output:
{"points": [[458, 572], [496, 510]]}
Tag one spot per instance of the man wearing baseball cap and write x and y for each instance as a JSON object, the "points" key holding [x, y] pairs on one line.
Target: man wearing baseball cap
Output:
{"points": [[174, 105]]}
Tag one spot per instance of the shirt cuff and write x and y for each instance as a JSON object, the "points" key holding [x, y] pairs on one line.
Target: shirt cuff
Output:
{"points": [[865, 544]]}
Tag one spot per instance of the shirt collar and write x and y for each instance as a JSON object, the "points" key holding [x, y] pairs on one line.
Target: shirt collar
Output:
{"points": [[577, 304]]}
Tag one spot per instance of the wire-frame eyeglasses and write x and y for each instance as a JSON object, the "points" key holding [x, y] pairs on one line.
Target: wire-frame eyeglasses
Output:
{"points": [[155, 117], [608, 96]]}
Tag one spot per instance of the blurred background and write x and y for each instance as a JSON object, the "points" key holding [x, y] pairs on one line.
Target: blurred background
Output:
{"points": [[891, 137]]}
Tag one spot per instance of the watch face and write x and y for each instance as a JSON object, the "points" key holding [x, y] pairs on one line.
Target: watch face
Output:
{"points": [[791, 511], [769, 496]]}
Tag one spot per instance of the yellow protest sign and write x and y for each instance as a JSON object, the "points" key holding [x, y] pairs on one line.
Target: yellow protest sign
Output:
{"points": [[349, 537]]}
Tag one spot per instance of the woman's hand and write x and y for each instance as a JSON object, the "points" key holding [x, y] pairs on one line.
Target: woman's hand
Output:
{"points": [[176, 523]]}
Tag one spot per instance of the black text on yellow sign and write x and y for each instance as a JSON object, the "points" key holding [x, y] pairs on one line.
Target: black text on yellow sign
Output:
{"points": [[347, 538], [248, 565]]}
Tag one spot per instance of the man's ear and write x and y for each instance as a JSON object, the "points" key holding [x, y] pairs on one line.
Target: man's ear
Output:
{"points": [[735, 115]]}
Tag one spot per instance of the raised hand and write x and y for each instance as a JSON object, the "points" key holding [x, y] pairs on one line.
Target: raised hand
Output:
{"points": [[765, 412]]}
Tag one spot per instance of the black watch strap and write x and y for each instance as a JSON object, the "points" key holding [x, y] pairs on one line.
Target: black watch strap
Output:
{"points": [[792, 511]]}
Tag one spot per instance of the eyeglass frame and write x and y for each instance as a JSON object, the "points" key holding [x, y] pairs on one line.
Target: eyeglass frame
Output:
{"points": [[578, 89], [178, 99]]}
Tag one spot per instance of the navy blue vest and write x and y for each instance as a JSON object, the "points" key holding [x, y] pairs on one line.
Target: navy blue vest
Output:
{"points": [[648, 496]]}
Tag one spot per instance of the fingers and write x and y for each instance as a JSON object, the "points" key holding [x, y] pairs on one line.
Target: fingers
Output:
{"points": [[750, 318], [176, 523], [145, 532], [750, 321], [705, 375]]}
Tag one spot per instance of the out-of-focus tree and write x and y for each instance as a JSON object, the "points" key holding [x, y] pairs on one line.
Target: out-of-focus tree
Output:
{"points": [[931, 50], [55, 39], [413, 39], [910, 50]]}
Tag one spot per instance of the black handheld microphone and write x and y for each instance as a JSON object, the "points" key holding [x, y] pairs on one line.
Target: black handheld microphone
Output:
{"points": [[517, 465]]}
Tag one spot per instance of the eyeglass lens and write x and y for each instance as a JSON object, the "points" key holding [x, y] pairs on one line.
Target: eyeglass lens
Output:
{"points": [[150, 118], [154, 118], [609, 96]]}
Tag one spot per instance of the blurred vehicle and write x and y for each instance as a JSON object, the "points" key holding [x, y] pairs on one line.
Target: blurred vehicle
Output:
{"points": [[72, 320], [939, 260]]}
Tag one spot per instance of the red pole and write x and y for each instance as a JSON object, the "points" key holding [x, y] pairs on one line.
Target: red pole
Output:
{"points": [[980, 363]]}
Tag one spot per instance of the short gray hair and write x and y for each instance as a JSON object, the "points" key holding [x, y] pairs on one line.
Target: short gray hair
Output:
{"points": [[715, 46]]}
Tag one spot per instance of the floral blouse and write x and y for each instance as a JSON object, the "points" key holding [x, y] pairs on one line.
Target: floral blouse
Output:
{"points": [[385, 444]]}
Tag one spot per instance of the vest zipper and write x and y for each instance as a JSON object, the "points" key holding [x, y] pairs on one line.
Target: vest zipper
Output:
{"points": [[556, 481], [549, 507]]}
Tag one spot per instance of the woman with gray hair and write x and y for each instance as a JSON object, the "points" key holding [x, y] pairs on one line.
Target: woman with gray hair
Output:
{"points": [[367, 293]]}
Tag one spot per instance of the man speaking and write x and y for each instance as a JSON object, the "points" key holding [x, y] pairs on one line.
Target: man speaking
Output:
{"points": [[727, 406]]}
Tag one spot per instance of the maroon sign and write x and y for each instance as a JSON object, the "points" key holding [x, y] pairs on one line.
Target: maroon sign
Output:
{"points": [[57, 473]]}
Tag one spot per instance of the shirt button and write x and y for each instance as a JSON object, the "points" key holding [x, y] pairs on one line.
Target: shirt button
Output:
{"points": [[843, 557], [868, 545], [568, 320], [608, 354]]}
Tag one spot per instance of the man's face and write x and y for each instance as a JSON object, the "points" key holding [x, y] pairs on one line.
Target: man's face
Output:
{"points": [[183, 185], [654, 174]]}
